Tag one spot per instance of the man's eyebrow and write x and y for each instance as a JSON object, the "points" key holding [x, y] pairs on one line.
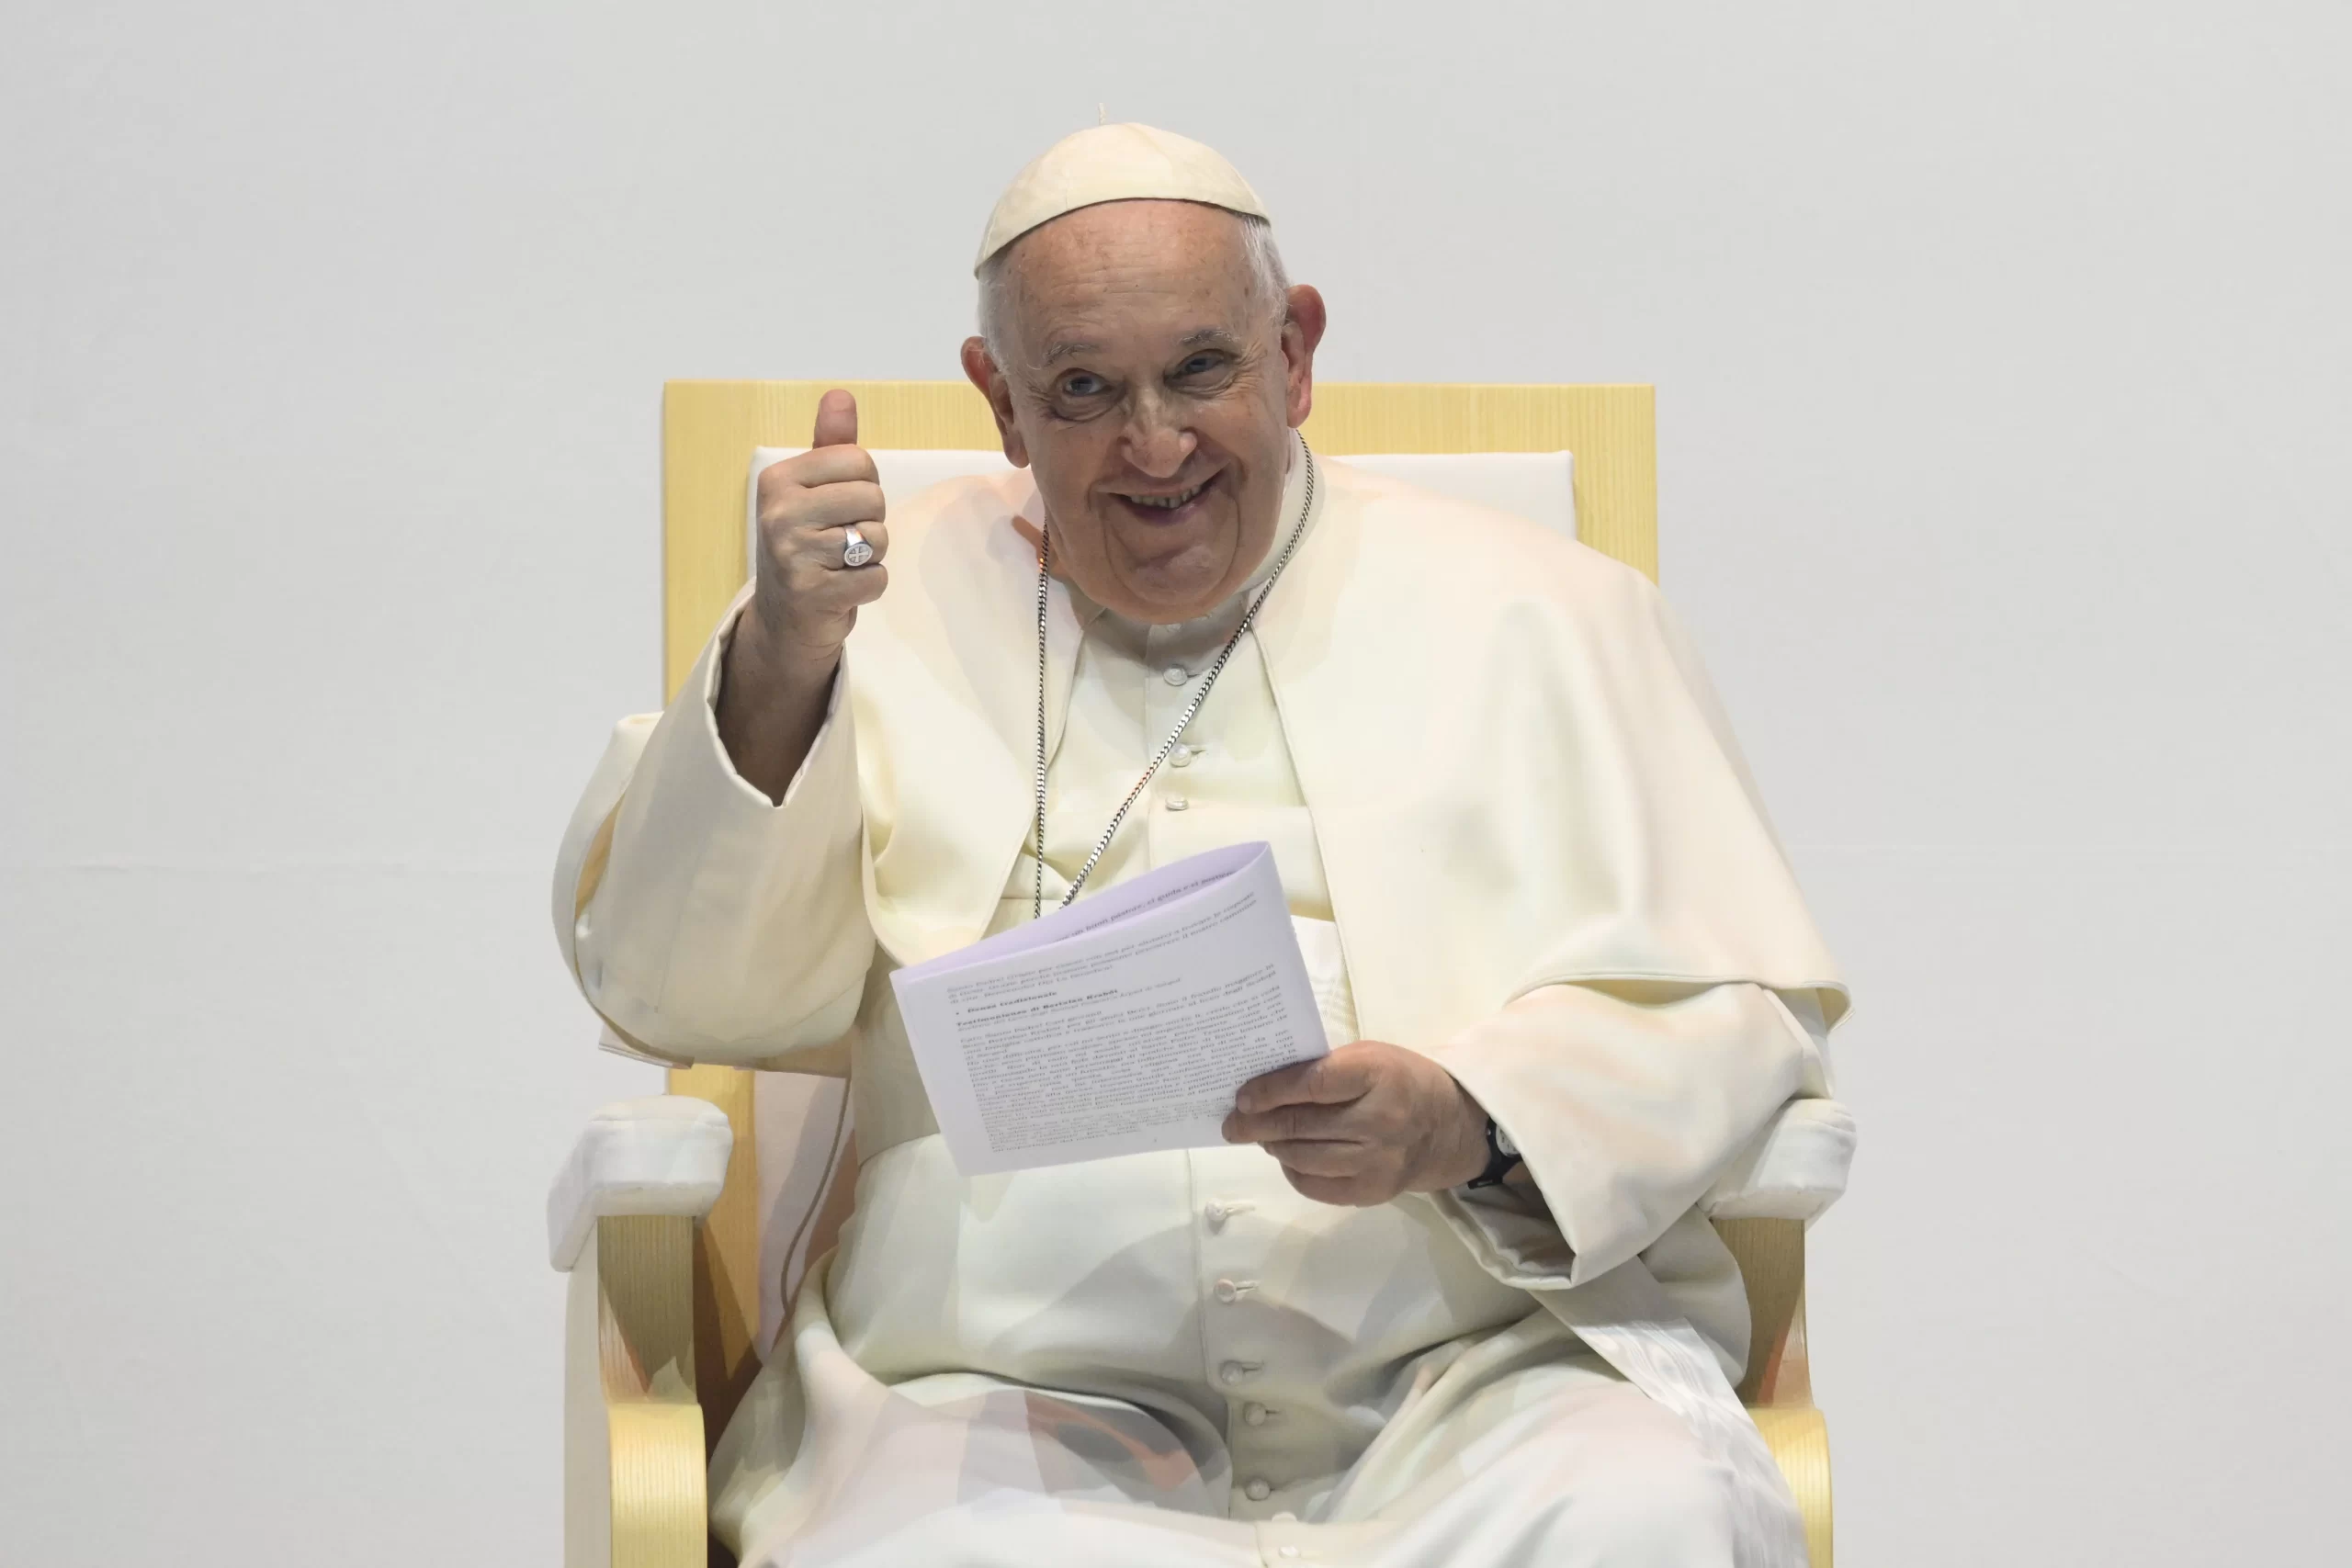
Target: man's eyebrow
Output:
{"points": [[1205, 337]]}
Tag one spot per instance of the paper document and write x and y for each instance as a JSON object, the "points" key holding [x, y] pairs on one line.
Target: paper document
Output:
{"points": [[1122, 1024]]}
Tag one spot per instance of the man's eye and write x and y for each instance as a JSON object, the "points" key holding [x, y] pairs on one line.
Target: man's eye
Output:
{"points": [[1081, 386], [1199, 364]]}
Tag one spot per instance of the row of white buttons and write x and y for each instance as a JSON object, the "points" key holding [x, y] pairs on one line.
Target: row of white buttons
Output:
{"points": [[1181, 757], [1256, 1414]]}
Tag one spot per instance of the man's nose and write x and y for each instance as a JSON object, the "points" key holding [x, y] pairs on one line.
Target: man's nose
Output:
{"points": [[1157, 444]]}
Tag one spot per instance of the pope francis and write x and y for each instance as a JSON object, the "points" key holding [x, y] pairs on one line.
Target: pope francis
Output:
{"points": [[1446, 1297]]}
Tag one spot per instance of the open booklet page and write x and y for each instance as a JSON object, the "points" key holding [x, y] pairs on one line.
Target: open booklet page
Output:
{"points": [[1122, 1024]]}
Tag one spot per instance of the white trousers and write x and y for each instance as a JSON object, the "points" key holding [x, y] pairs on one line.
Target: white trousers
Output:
{"points": [[1558, 1464]]}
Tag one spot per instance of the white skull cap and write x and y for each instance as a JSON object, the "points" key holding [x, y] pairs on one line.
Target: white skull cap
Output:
{"points": [[1114, 163]]}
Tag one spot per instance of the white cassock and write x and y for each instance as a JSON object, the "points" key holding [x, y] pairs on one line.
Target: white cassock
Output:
{"points": [[1514, 834]]}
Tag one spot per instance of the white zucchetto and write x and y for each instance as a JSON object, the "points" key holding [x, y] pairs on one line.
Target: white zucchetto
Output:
{"points": [[1114, 163]]}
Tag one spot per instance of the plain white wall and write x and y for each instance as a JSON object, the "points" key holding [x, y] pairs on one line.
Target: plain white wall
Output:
{"points": [[2004, 369]]}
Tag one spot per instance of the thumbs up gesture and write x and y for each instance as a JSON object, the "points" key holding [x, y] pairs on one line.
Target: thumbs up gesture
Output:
{"points": [[819, 557], [809, 507]]}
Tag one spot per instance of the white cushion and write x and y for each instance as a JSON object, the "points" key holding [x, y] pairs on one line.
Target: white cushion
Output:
{"points": [[1537, 486], [1794, 1170], [666, 1154]]}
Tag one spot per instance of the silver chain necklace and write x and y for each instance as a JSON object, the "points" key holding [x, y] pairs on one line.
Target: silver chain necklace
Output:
{"points": [[1045, 554]]}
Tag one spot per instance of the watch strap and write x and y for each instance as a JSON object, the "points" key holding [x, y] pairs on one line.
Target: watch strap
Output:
{"points": [[1502, 1155]]}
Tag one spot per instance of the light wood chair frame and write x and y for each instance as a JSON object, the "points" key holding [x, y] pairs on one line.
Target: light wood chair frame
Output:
{"points": [[665, 1309]]}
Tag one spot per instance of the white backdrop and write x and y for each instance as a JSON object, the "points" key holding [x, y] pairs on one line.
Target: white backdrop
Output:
{"points": [[2005, 371]]}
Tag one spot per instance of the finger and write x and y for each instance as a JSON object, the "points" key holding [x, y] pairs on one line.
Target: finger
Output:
{"points": [[825, 466], [824, 553], [811, 555], [841, 505], [836, 543], [1339, 1191], [862, 585], [836, 420], [1317, 1122], [803, 562], [1319, 1157], [1327, 1080], [832, 604]]}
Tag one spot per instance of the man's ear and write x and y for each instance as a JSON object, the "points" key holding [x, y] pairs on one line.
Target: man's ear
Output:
{"points": [[1303, 323], [994, 386]]}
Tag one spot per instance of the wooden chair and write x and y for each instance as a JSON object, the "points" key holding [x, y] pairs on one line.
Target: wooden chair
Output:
{"points": [[665, 1310]]}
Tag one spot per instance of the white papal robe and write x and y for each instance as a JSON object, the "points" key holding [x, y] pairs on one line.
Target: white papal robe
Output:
{"points": [[1173, 1357]]}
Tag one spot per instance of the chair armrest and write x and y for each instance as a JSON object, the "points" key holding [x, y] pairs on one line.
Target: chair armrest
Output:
{"points": [[666, 1154], [1795, 1169]]}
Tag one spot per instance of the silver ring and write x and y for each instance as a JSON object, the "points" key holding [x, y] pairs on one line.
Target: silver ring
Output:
{"points": [[855, 551]]}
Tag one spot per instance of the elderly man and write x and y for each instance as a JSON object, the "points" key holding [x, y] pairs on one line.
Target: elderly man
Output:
{"points": [[1445, 1298]]}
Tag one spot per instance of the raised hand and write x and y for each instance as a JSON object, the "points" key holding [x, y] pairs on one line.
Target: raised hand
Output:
{"points": [[805, 597]]}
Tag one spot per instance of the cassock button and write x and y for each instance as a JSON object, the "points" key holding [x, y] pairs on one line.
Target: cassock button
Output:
{"points": [[1254, 1413], [1175, 675], [1178, 803], [1236, 1371], [1227, 1291], [1258, 1490], [1180, 757]]}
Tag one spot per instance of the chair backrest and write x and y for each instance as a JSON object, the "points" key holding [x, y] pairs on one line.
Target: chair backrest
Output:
{"points": [[779, 1210]]}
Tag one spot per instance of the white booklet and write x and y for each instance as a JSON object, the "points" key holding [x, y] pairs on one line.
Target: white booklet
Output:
{"points": [[1122, 1024]]}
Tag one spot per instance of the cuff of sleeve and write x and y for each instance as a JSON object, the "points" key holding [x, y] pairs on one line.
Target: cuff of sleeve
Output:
{"points": [[731, 928], [1624, 1112], [712, 671], [1510, 1233]]}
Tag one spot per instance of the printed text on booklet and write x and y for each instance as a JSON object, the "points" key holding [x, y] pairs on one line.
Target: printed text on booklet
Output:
{"points": [[1122, 1024]]}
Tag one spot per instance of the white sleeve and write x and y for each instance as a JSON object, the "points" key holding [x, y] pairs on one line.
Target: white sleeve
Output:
{"points": [[703, 922], [1625, 1108]]}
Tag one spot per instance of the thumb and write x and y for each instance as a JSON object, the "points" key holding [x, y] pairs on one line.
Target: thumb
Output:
{"points": [[836, 420]]}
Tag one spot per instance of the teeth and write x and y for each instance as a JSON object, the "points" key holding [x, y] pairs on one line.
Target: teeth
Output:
{"points": [[1168, 502]]}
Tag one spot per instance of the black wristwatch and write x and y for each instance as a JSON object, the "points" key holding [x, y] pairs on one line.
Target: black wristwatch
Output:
{"points": [[1501, 1156]]}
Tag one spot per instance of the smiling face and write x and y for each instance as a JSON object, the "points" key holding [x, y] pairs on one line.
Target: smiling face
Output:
{"points": [[1152, 387]]}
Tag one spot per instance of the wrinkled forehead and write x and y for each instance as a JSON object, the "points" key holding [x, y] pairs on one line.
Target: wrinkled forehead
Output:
{"points": [[1143, 267]]}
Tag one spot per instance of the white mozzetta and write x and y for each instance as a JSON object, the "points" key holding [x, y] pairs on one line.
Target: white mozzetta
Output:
{"points": [[1793, 1171], [665, 1155]]}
